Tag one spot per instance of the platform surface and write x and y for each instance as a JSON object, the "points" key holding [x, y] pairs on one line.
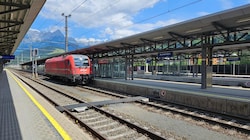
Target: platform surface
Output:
{"points": [[232, 92], [22, 119]]}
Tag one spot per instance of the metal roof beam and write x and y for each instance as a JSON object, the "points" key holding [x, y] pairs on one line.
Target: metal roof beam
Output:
{"points": [[11, 21], [11, 24], [13, 4], [6, 38], [147, 40], [6, 42], [197, 43], [177, 36], [242, 36], [111, 47], [127, 44], [5, 46], [152, 41], [11, 35], [98, 49], [19, 7], [219, 27], [9, 31]]}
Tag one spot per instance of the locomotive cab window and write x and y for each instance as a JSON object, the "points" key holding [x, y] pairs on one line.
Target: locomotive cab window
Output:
{"points": [[79, 62], [67, 63]]}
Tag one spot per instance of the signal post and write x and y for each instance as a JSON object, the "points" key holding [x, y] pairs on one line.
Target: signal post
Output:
{"points": [[34, 63]]}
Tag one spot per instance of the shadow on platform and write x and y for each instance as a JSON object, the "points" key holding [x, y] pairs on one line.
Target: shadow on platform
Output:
{"points": [[9, 126]]}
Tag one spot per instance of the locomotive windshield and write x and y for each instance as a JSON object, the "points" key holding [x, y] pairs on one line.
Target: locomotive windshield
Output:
{"points": [[81, 62]]}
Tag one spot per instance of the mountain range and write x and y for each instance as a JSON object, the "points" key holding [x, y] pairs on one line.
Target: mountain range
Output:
{"points": [[48, 44]]}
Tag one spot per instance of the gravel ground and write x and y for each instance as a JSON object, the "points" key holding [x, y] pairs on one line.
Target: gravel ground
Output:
{"points": [[175, 126]]}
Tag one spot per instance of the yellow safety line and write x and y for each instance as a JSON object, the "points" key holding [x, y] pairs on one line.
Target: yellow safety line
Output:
{"points": [[58, 127]]}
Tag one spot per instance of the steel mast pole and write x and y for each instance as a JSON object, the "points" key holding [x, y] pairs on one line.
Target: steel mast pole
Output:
{"points": [[66, 31]]}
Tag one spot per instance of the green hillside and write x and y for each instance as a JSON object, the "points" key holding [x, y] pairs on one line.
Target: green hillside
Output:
{"points": [[24, 56]]}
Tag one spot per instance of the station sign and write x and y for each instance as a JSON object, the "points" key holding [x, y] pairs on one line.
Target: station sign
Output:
{"points": [[233, 59], [166, 54], [7, 56], [148, 60], [103, 61]]}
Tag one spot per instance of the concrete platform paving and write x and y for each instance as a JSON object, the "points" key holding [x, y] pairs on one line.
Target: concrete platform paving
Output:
{"points": [[21, 119], [221, 99]]}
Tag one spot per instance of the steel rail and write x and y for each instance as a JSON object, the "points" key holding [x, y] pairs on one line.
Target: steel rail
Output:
{"points": [[89, 128], [129, 124], [197, 117]]}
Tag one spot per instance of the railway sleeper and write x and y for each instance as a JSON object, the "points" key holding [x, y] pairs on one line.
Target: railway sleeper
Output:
{"points": [[128, 134], [107, 126], [96, 119], [100, 122], [119, 128]]}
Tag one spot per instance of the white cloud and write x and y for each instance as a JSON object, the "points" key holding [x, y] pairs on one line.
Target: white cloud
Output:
{"points": [[203, 13], [95, 13], [33, 35], [115, 33], [119, 33], [108, 31], [89, 41], [114, 19], [226, 4], [33, 30], [54, 28]]}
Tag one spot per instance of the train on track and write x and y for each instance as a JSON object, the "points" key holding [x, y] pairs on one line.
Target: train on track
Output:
{"points": [[74, 68]]}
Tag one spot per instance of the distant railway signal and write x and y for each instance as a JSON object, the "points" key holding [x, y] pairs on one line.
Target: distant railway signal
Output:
{"points": [[35, 52]]}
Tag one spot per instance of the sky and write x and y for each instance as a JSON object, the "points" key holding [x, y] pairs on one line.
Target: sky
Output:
{"points": [[96, 21]]}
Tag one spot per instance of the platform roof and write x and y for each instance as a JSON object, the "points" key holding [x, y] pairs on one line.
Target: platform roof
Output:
{"points": [[16, 17], [233, 18], [229, 19]]}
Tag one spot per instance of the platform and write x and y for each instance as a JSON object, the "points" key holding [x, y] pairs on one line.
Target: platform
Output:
{"points": [[26, 115], [222, 99], [218, 79]]}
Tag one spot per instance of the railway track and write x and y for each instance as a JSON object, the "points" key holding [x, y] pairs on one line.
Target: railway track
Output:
{"points": [[215, 120], [100, 123], [228, 122]]}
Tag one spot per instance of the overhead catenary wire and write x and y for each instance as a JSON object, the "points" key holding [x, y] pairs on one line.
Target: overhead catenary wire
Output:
{"points": [[105, 8], [78, 6], [168, 11], [157, 15], [126, 26], [60, 21]]}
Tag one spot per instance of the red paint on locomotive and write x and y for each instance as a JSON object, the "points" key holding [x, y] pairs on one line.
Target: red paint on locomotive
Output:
{"points": [[76, 68]]}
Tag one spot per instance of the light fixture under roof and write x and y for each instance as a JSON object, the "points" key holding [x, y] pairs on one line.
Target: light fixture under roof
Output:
{"points": [[135, 42], [158, 37], [193, 30], [243, 20]]}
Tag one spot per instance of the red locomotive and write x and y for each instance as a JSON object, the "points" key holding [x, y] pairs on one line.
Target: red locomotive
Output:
{"points": [[75, 68]]}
